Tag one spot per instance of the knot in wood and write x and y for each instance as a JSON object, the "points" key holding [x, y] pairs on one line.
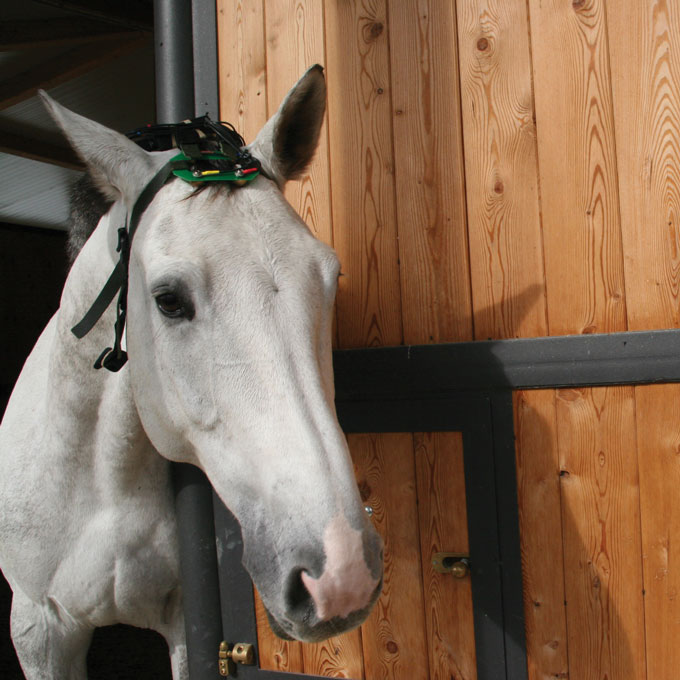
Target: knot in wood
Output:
{"points": [[375, 30], [567, 394], [482, 44]]}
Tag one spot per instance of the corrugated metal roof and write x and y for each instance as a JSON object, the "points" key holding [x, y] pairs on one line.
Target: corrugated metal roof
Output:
{"points": [[34, 194]]}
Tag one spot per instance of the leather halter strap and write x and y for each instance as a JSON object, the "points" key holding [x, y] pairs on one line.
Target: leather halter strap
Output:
{"points": [[115, 358]]}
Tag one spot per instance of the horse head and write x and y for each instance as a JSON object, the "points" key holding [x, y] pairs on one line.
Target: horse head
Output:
{"points": [[229, 322]]}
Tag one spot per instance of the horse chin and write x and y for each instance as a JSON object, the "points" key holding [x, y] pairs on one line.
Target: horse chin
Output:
{"points": [[276, 628], [322, 630]]}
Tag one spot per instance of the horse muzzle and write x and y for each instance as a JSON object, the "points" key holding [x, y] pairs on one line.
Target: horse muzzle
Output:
{"points": [[306, 627], [316, 591]]}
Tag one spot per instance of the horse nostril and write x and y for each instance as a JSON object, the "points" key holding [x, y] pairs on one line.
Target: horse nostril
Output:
{"points": [[298, 599]]}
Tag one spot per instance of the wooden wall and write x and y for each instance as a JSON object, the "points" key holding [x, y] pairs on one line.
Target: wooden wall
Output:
{"points": [[498, 169]]}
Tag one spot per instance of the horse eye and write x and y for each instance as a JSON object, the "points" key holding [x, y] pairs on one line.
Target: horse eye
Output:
{"points": [[170, 305]]}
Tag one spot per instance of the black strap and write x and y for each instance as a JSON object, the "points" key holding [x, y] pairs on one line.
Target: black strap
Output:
{"points": [[118, 278], [147, 195], [99, 306]]}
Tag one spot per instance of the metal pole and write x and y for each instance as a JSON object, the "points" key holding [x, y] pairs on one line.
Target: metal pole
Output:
{"points": [[193, 493], [174, 60], [205, 58], [198, 564]]}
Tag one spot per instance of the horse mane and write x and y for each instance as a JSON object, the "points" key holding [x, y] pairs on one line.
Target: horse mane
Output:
{"points": [[88, 206]]}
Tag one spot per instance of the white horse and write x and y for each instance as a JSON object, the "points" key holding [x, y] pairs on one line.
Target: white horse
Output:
{"points": [[229, 336]]}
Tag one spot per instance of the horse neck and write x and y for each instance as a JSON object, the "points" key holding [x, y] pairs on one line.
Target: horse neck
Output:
{"points": [[95, 408]]}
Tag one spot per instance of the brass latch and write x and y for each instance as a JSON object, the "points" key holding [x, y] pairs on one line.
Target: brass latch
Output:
{"points": [[242, 653], [456, 564]]}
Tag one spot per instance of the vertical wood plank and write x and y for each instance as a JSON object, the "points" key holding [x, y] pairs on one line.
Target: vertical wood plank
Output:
{"points": [[429, 170], [362, 173], [443, 528], [242, 65], [538, 474], [509, 290], [644, 42], [577, 158], [295, 41], [586, 293], [601, 527], [506, 259], [394, 635], [658, 419]]}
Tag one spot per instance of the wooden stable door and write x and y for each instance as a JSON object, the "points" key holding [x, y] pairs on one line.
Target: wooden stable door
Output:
{"points": [[432, 471]]}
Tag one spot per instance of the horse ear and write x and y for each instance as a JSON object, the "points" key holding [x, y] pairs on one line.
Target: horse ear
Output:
{"points": [[118, 166], [286, 144]]}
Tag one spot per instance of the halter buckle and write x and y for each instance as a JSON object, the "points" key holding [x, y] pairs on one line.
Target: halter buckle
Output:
{"points": [[111, 359]]}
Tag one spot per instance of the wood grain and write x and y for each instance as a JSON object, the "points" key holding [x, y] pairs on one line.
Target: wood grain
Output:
{"points": [[506, 259], [601, 528], [362, 173], [509, 290], [658, 439], [538, 475], [586, 293], [337, 657], [443, 528], [295, 41], [394, 638], [577, 158], [429, 171], [242, 65], [644, 39]]}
